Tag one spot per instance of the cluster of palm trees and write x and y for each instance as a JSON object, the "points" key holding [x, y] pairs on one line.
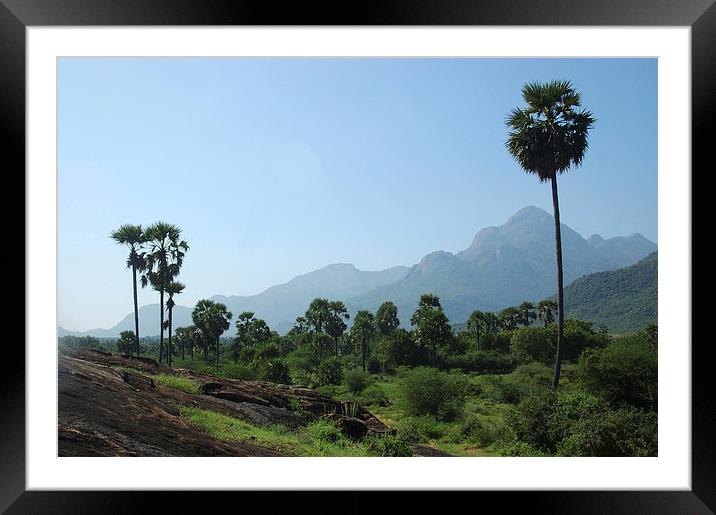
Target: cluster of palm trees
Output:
{"points": [[157, 254], [481, 322]]}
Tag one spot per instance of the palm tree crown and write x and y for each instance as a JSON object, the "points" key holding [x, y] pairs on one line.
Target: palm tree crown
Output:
{"points": [[549, 134]]}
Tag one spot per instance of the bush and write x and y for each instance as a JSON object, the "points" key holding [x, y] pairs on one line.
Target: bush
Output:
{"points": [[330, 371], [373, 395], [622, 432], [324, 431], [581, 424], [625, 372], [275, 371], [539, 343], [373, 365], [476, 429], [482, 362], [533, 344], [421, 429], [356, 380], [521, 449], [387, 445], [234, 371], [426, 391]]}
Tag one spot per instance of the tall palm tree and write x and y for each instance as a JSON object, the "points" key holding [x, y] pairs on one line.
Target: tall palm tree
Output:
{"points": [[173, 288], [548, 137], [163, 261], [134, 238], [476, 322]]}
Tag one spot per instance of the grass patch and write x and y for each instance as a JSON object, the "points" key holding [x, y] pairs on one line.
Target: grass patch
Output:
{"points": [[317, 439], [179, 382]]}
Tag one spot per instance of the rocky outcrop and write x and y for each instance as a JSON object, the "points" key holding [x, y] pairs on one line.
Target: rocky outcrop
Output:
{"points": [[110, 406]]}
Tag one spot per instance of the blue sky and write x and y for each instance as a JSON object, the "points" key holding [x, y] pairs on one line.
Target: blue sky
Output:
{"points": [[276, 167]]}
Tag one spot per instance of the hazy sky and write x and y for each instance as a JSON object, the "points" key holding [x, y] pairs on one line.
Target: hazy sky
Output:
{"points": [[276, 167]]}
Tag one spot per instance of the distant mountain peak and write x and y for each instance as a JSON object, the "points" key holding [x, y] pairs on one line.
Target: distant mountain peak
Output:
{"points": [[529, 211]]}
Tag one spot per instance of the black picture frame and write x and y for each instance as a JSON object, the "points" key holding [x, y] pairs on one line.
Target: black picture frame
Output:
{"points": [[17, 15]]}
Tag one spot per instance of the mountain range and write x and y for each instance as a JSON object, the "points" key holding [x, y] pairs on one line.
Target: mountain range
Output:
{"points": [[503, 266]]}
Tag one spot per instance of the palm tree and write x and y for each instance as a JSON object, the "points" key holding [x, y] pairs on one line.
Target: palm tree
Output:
{"points": [[545, 311], [173, 288], [527, 313], [548, 137], [363, 331], [212, 318], [475, 323], [162, 263], [134, 238]]}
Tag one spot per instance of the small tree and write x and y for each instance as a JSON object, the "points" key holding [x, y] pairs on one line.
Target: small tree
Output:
{"points": [[386, 318], [126, 342], [432, 327]]}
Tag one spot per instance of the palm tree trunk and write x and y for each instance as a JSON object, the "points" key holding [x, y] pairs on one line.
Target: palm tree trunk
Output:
{"points": [[560, 282], [161, 322], [136, 310], [363, 347], [217, 353], [169, 346]]}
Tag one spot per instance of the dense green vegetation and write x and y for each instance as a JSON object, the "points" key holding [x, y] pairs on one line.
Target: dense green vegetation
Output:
{"points": [[622, 300]]}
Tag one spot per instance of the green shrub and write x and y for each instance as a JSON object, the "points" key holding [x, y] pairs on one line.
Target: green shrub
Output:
{"points": [[622, 432], [421, 429], [373, 395], [625, 372], [387, 445], [476, 429], [235, 371], [373, 365], [329, 371], [324, 431], [482, 362], [356, 380], [521, 449], [426, 391], [275, 371], [532, 344]]}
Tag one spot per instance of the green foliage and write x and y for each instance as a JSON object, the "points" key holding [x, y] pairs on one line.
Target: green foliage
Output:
{"points": [[581, 424], [356, 380], [386, 319], [539, 343], [81, 342], [329, 371], [387, 445], [179, 382], [427, 391], [126, 342], [621, 432], [533, 344], [399, 349], [324, 431], [421, 429], [373, 395], [432, 327], [625, 372], [482, 362]]}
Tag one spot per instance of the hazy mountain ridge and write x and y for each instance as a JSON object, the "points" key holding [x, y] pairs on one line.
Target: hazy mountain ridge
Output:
{"points": [[502, 266]]}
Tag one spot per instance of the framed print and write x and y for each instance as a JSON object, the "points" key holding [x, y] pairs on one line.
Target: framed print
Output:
{"points": [[296, 250]]}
